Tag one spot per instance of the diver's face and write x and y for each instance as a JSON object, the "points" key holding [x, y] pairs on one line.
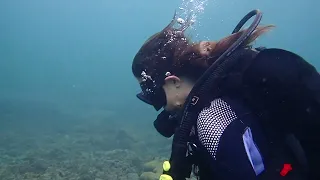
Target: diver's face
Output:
{"points": [[175, 93]]}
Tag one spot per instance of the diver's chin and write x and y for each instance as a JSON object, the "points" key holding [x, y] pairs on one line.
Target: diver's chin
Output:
{"points": [[175, 109], [179, 106], [170, 110]]}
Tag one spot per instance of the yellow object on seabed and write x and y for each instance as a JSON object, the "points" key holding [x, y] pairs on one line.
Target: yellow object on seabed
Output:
{"points": [[166, 167]]}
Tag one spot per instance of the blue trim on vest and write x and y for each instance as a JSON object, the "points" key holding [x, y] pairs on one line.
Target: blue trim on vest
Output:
{"points": [[252, 151]]}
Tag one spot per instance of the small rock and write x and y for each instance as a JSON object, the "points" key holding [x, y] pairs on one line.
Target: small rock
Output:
{"points": [[148, 176], [133, 176], [122, 178]]}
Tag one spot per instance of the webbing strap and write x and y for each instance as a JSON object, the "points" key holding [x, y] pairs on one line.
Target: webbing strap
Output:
{"points": [[201, 99]]}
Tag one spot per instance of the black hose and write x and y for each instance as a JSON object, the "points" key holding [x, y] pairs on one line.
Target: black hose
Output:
{"points": [[244, 20], [180, 139], [214, 68]]}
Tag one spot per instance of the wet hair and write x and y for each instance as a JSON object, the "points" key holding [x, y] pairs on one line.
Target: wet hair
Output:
{"points": [[171, 51]]}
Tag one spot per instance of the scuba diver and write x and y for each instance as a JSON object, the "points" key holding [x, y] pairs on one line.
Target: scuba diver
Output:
{"points": [[234, 111]]}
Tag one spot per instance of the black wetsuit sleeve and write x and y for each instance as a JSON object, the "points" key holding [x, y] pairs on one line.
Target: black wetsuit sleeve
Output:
{"points": [[236, 144], [293, 94], [293, 91], [296, 78]]}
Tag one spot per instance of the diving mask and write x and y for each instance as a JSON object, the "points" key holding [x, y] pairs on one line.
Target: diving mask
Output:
{"points": [[152, 93]]}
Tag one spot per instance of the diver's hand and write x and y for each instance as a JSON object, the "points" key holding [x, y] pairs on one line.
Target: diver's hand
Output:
{"points": [[166, 167]]}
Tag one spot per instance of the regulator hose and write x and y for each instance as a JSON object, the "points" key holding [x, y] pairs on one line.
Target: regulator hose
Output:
{"points": [[181, 136]]}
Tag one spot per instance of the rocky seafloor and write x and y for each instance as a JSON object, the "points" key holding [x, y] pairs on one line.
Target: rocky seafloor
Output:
{"points": [[50, 145]]}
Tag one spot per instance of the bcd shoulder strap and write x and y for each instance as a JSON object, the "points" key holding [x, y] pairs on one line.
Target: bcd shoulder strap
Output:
{"points": [[231, 80]]}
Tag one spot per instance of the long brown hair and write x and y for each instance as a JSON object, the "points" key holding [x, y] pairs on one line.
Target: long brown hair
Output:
{"points": [[170, 50]]}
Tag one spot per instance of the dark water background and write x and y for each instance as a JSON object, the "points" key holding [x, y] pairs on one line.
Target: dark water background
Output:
{"points": [[67, 95]]}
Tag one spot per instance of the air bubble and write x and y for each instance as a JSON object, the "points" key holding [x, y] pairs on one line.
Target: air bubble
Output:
{"points": [[180, 21], [193, 8]]}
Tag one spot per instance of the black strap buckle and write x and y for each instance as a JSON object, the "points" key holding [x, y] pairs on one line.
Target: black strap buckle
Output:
{"points": [[194, 100], [191, 148]]}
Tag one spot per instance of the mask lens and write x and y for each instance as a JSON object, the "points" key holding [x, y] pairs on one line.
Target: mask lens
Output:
{"points": [[144, 98], [152, 95]]}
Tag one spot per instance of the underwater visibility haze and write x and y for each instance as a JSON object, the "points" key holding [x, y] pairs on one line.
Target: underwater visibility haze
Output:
{"points": [[68, 106]]}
